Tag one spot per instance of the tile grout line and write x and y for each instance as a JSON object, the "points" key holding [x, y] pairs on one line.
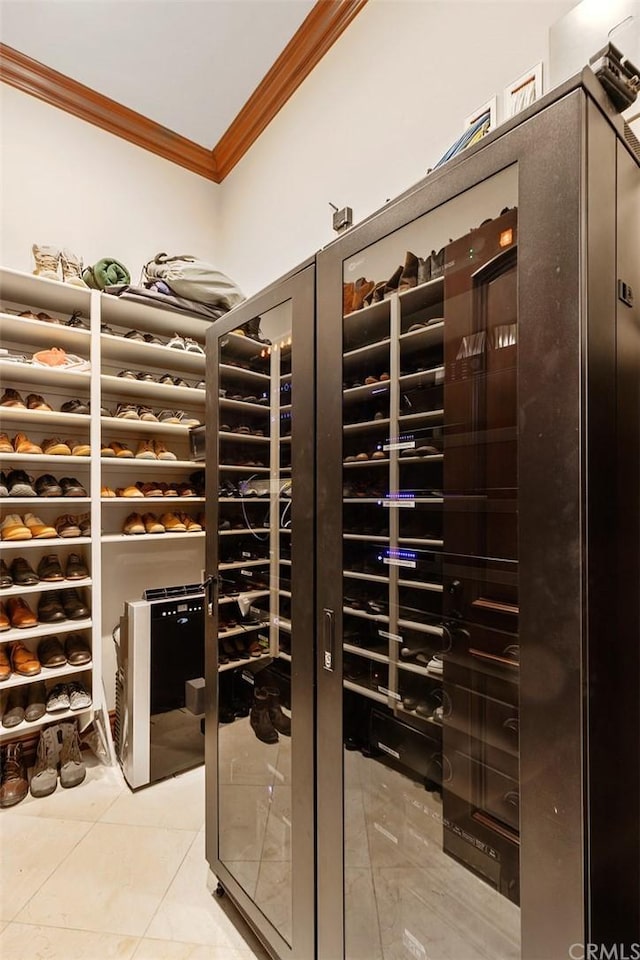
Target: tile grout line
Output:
{"points": [[168, 887], [93, 933], [56, 867]]}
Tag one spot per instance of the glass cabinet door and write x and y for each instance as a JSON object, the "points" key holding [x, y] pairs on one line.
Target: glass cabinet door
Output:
{"points": [[260, 750], [430, 602]]}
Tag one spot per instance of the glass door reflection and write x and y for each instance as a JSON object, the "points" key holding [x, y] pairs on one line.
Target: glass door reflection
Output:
{"points": [[430, 650], [254, 611]]}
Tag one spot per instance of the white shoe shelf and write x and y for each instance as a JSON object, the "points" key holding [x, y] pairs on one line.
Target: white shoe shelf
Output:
{"points": [[99, 386]]}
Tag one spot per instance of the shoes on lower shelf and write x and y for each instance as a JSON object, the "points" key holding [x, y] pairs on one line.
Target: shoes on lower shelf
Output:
{"points": [[13, 775], [58, 749], [22, 573], [68, 696], [24, 703]]}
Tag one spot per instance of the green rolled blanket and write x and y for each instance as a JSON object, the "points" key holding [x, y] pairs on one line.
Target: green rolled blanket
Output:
{"points": [[106, 273]]}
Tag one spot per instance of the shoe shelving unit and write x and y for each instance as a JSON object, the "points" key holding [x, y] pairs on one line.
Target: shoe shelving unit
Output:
{"points": [[250, 547], [392, 613], [109, 353], [25, 336]]}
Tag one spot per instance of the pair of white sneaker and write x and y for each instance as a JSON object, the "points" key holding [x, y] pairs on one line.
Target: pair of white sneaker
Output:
{"points": [[185, 343], [50, 261]]}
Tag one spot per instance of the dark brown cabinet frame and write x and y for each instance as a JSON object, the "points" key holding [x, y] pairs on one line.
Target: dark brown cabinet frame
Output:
{"points": [[578, 454], [578, 534]]}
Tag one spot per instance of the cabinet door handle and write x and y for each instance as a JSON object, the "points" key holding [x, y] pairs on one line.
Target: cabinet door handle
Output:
{"points": [[512, 798], [328, 637], [511, 723]]}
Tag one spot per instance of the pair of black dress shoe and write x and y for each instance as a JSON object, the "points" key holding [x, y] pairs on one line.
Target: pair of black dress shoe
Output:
{"points": [[75, 652], [22, 574], [61, 605], [50, 570]]}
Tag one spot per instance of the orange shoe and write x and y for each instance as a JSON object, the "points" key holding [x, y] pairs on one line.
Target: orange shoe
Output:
{"points": [[20, 613], [5, 444], [22, 444], [39, 529], [23, 661], [5, 663]]}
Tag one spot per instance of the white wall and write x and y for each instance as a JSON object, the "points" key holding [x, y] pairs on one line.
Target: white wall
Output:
{"points": [[380, 109], [68, 183]]}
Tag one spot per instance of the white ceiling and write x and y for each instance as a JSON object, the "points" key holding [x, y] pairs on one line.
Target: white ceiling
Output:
{"points": [[190, 65]]}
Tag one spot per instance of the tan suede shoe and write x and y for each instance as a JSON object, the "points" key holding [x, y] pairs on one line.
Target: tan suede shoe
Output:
{"points": [[161, 451], [133, 524], [172, 523], [12, 528], [79, 448], [55, 447], [121, 450], [145, 451], [5, 623], [191, 525], [130, 491], [5, 444], [39, 529], [152, 524]]}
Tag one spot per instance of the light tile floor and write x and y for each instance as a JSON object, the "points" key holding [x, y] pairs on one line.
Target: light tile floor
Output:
{"points": [[98, 872]]}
